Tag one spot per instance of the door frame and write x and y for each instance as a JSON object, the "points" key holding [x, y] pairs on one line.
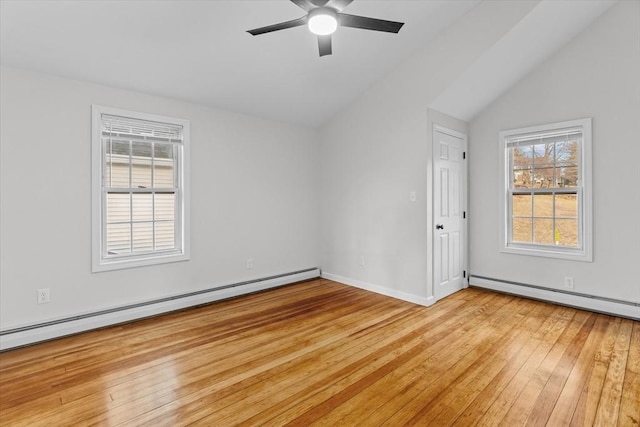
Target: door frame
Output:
{"points": [[465, 197]]}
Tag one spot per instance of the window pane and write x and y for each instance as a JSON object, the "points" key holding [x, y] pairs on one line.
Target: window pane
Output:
{"points": [[142, 207], [543, 205], [522, 166], [141, 170], [117, 173], [566, 232], [117, 163], [163, 175], [568, 176], [141, 174], [164, 166], [165, 206], [118, 208], [141, 150], [544, 175], [118, 238], [567, 163], [543, 231], [566, 205], [521, 204], [569, 150], [142, 236], [521, 230], [543, 162], [165, 236]]}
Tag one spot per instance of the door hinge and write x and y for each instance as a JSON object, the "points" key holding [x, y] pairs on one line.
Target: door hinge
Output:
{"points": [[464, 215], [464, 155], [464, 274]]}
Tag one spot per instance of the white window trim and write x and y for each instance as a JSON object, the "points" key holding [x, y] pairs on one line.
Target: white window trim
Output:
{"points": [[585, 253], [99, 262]]}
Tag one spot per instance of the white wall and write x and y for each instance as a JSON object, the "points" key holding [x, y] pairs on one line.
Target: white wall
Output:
{"points": [[255, 183], [596, 75], [254, 194], [378, 150]]}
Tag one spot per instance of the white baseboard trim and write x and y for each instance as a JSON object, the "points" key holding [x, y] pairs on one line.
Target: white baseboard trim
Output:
{"points": [[380, 289], [31, 334], [592, 303]]}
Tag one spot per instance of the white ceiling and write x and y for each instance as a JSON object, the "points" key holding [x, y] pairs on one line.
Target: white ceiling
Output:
{"points": [[199, 51], [547, 28]]}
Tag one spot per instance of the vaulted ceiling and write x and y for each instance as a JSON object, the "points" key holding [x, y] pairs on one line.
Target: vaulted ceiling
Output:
{"points": [[199, 51]]}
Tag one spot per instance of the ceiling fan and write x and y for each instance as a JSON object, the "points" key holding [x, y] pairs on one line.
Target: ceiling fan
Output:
{"points": [[323, 18]]}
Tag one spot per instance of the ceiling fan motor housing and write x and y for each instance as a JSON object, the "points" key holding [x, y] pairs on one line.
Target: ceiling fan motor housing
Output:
{"points": [[323, 21]]}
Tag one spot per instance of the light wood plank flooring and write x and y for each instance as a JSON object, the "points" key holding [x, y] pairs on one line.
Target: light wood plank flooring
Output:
{"points": [[322, 353]]}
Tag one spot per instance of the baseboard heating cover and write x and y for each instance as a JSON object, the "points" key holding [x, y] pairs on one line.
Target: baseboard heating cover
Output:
{"points": [[30, 334], [615, 307]]}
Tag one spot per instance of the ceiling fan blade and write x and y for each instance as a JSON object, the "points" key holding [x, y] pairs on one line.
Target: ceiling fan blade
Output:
{"points": [[324, 45], [276, 27], [303, 4], [365, 23], [339, 4]]}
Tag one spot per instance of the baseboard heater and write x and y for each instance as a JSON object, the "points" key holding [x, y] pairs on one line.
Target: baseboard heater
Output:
{"points": [[44, 331], [627, 309]]}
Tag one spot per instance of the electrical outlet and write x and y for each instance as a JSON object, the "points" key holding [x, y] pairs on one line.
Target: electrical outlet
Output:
{"points": [[412, 196], [249, 263], [568, 282], [362, 260], [44, 295]]}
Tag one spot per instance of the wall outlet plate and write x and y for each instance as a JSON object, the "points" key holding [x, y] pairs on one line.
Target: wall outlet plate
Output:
{"points": [[44, 295], [568, 282]]}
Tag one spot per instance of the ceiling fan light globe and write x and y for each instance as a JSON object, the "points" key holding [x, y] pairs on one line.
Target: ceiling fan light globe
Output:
{"points": [[323, 23]]}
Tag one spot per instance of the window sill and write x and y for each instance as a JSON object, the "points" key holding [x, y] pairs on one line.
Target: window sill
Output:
{"points": [[549, 252], [139, 261]]}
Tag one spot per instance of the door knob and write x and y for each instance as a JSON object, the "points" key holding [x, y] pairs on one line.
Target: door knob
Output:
{"points": [[439, 227]]}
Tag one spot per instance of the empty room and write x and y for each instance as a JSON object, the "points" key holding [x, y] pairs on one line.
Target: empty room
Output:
{"points": [[319, 212]]}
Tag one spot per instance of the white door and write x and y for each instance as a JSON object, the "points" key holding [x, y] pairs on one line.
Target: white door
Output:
{"points": [[449, 192]]}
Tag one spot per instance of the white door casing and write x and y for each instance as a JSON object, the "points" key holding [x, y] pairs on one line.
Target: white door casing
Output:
{"points": [[449, 206]]}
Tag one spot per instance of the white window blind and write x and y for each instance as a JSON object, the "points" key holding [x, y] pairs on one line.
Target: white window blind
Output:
{"points": [[550, 137], [140, 130]]}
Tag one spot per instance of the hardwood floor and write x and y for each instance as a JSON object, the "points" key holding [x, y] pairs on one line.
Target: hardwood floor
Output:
{"points": [[321, 353]]}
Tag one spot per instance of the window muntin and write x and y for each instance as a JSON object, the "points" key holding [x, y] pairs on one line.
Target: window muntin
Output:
{"points": [[141, 189], [545, 209]]}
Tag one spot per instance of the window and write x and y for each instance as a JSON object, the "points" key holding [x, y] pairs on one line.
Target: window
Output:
{"points": [[546, 190], [140, 193]]}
